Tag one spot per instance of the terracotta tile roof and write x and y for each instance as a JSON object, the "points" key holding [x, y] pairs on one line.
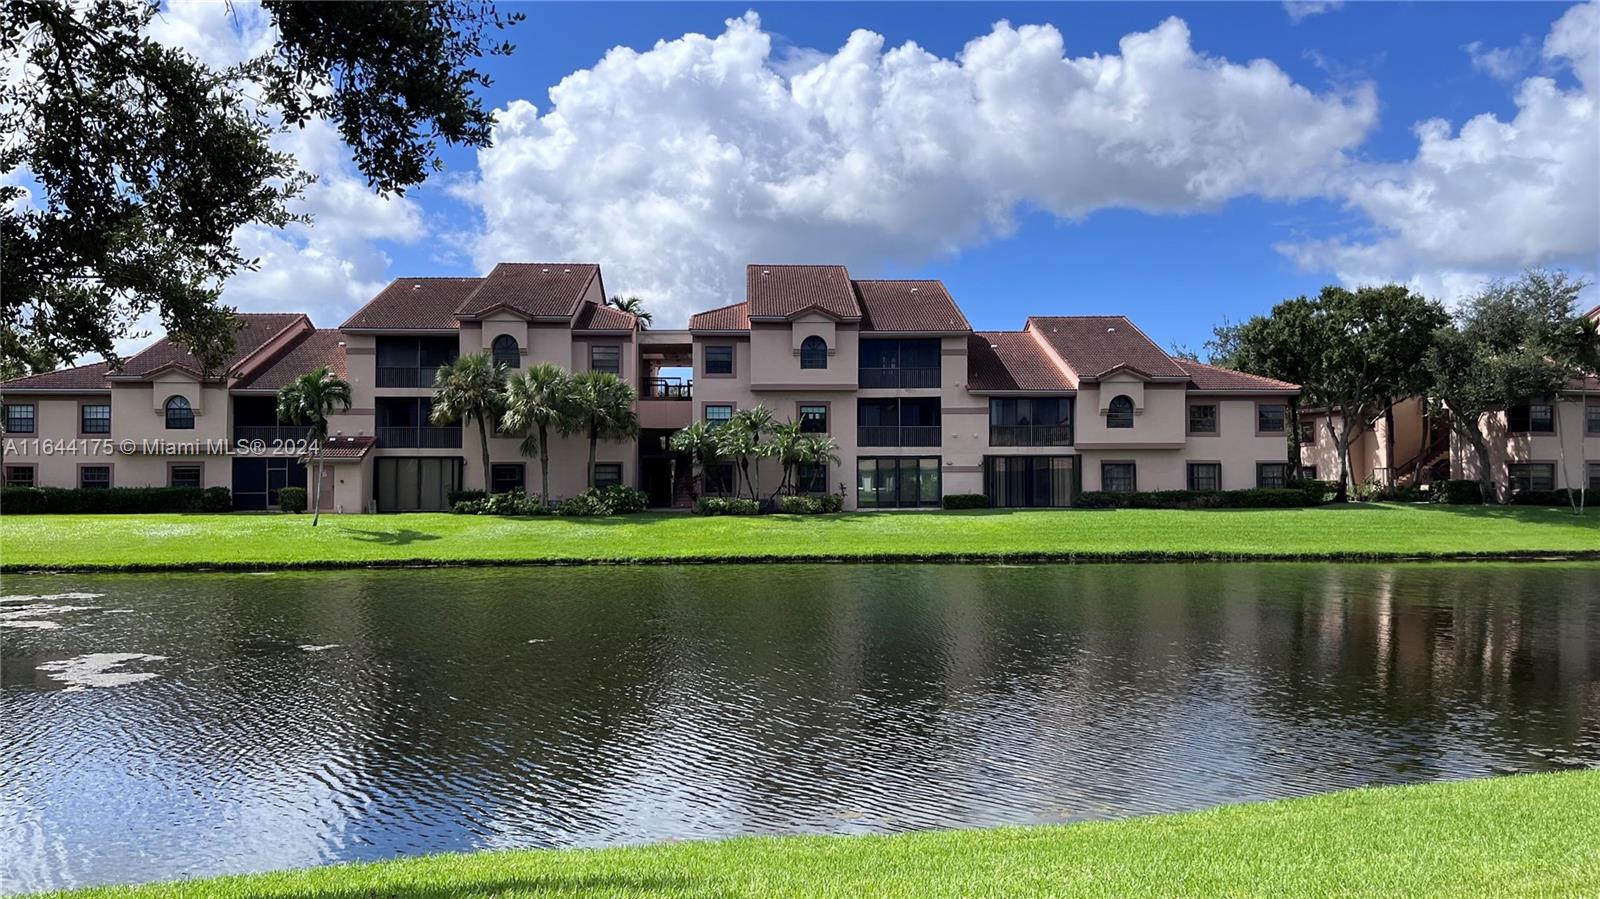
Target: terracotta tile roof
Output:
{"points": [[1210, 377], [908, 306], [534, 289], [324, 346], [414, 304], [725, 318], [1593, 313], [1012, 360], [256, 328], [594, 317], [779, 291], [1093, 345], [337, 447], [1587, 382], [81, 377]]}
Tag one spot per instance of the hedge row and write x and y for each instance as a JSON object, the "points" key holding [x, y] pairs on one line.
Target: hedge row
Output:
{"points": [[614, 500], [966, 501], [1256, 498], [113, 500]]}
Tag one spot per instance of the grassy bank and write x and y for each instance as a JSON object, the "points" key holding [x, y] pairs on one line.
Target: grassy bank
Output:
{"points": [[155, 542], [1515, 836]]}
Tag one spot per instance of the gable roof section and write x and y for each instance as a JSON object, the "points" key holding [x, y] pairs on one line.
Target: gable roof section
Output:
{"points": [[595, 317], [723, 318], [256, 329], [1095, 345], [784, 291], [81, 377], [1012, 360], [1210, 377], [322, 347], [908, 306], [533, 289], [414, 304]]}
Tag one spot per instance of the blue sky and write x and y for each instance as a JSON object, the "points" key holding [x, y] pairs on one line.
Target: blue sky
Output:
{"points": [[621, 175]]}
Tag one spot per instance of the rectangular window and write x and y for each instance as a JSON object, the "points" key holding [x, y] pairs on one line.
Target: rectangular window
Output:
{"points": [[1531, 418], [1119, 477], [1270, 418], [1205, 476], [185, 475], [1203, 418], [1528, 476], [891, 482], [719, 360], [19, 476], [95, 419], [1037, 421], [1272, 474], [813, 419], [1308, 472], [19, 418], [506, 478], [607, 474], [606, 357], [718, 415], [1594, 477], [94, 477], [1029, 482], [812, 478], [1591, 419], [1308, 433]]}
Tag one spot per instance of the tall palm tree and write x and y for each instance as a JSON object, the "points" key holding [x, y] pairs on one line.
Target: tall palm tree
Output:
{"points": [[535, 400], [309, 400], [470, 388], [818, 449], [634, 306], [600, 405], [784, 447], [740, 439], [699, 440]]}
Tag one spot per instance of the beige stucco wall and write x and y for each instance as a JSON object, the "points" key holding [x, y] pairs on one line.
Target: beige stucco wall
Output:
{"points": [[1581, 450]]}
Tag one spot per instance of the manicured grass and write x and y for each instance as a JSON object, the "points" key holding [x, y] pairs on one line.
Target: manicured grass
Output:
{"points": [[1536, 835], [1357, 531]]}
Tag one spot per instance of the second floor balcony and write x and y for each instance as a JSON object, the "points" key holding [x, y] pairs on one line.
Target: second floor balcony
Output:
{"points": [[406, 375], [666, 389], [269, 433], [419, 436], [889, 435], [1030, 435]]}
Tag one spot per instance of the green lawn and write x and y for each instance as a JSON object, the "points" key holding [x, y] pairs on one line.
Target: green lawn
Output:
{"points": [[1535, 835], [1357, 531]]}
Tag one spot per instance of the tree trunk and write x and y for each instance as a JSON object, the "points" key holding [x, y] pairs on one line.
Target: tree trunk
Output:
{"points": [[1388, 449], [316, 493], [483, 443], [1293, 448], [594, 439], [1341, 448], [544, 468], [1480, 448]]}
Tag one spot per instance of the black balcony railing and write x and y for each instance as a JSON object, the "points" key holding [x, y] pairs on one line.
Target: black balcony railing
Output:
{"points": [[876, 435], [666, 389], [895, 378], [270, 433], [425, 437], [1030, 435], [406, 376]]}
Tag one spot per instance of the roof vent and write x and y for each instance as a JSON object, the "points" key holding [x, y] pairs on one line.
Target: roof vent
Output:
{"points": [[765, 272], [913, 290], [544, 271], [341, 343], [566, 271], [416, 287], [1111, 330]]}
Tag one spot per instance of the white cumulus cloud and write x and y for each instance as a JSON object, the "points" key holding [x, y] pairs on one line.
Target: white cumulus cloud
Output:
{"points": [[1300, 10], [675, 166]]}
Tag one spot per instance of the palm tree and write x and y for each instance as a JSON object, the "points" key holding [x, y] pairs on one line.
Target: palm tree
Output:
{"points": [[600, 405], [785, 448], [534, 402], [818, 449], [699, 440], [740, 439], [470, 388], [309, 400], [635, 307]]}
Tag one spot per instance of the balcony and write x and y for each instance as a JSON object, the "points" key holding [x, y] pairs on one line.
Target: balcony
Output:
{"points": [[666, 389], [269, 433], [870, 435], [406, 376], [897, 378], [424, 437], [1030, 435]]}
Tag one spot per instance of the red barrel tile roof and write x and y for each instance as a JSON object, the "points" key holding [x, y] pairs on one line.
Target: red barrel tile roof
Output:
{"points": [[779, 291], [908, 306], [594, 317], [724, 318], [414, 304], [322, 347], [1093, 345], [336, 447], [256, 328], [81, 377], [1210, 377], [1012, 360], [537, 289]]}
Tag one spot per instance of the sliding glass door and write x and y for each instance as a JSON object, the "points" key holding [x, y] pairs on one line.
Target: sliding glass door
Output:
{"points": [[1029, 482], [897, 482]]}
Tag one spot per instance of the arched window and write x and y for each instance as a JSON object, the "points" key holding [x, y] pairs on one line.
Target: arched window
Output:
{"points": [[1120, 413], [180, 417], [813, 352], [506, 351]]}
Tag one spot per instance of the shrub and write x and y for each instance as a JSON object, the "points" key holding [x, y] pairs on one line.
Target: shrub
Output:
{"points": [[966, 501], [614, 500], [216, 499], [1367, 492], [292, 499], [1460, 492], [831, 502], [1316, 492], [1409, 493], [1263, 498], [722, 505], [810, 504], [114, 500], [1542, 497], [463, 496], [1102, 499], [1255, 498]]}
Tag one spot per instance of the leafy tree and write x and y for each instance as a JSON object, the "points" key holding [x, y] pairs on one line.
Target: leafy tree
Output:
{"points": [[698, 439], [470, 389], [600, 405], [535, 401], [819, 449], [785, 448], [1282, 345], [309, 400], [142, 162], [635, 307], [740, 439]]}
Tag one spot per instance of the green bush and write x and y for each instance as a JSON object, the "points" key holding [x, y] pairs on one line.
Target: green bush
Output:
{"points": [[1316, 492], [463, 496], [513, 502], [1459, 492], [114, 500], [1409, 493], [722, 505], [831, 502], [810, 504], [292, 499], [1543, 497], [966, 501], [1255, 498], [614, 500]]}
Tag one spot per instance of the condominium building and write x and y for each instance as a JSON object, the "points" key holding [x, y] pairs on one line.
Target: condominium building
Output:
{"points": [[920, 404]]}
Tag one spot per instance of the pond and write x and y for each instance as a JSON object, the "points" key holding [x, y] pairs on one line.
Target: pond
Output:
{"points": [[162, 726]]}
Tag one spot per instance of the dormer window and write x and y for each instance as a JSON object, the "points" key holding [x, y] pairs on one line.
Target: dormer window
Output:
{"points": [[814, 352], [506, 351], [180, 416], [1119, 414]]}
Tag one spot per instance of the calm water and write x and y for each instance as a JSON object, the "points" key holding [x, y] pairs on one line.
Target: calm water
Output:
{"points": [[157, 726]]}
